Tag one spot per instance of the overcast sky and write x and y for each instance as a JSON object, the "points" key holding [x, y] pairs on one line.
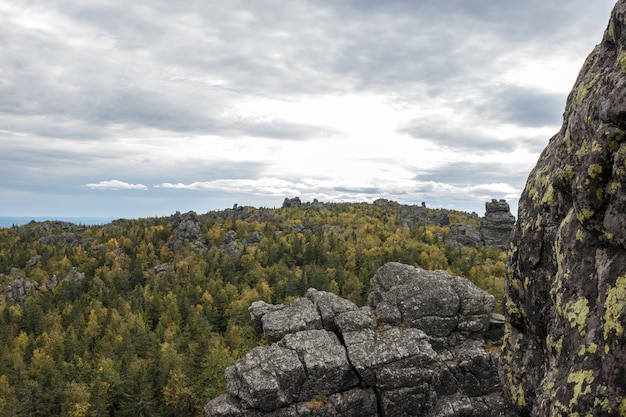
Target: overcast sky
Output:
{"points": [[116, 108]]}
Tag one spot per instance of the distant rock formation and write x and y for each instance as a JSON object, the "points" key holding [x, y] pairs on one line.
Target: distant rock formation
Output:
{"points": [[496, 226], [296, 202], [19, 288], [566, 284], [464, 235], [187, 230], [417, 351]]}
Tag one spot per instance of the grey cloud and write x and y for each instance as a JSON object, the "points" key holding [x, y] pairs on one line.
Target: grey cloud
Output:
{"points": [[358, 190], [523, 106], [457, 138], [140, 65], [466, 173]]}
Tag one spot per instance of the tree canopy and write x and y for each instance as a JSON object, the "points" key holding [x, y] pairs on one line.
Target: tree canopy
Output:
{"points": [[141, 317]]}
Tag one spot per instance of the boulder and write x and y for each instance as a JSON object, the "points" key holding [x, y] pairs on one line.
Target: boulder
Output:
{"points": [[329, 306], [432, 301], [566, 280], [417, 351], [356, 402], [300, 315]]}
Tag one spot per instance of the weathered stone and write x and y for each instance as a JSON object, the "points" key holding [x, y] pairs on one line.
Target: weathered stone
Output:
{"points": [[267, 378], [18, 289], [34, 260], [51, 283], [161, 269], [300, 367], [566, 280], [254, 238], [230, 237], [74, 275], [433, 301], [325, 362], [329, 358], [356, 402], [373, 348], [463, 235], [329, 306], [69, 239], [300, 315], [260, 308], [292, 202], [497, 224]]}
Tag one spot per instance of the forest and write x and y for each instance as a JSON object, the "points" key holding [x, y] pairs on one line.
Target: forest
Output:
{"points": [[141, 317]]}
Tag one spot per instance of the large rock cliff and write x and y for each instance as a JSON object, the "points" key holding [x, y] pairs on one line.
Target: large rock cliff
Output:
{"points": [[566, 286], [417, 351]]}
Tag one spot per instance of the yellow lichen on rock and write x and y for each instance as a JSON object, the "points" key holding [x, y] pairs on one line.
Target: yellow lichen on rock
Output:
{"points": [[582, 381], [614, 308], [576, 313]]}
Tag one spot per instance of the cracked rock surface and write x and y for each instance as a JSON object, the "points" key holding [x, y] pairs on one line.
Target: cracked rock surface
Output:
{"points": [[417, 351], [566, 280]]}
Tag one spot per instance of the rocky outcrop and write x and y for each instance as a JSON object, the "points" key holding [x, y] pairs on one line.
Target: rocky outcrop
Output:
{"points": [[19, 288], [187, 230], [496, 226], [464, 235], [69, 239], [296, 202], [417, 351], [566, 280]]}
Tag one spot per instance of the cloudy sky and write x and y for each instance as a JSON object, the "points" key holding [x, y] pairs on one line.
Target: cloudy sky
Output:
{"points": [[115, 108]]}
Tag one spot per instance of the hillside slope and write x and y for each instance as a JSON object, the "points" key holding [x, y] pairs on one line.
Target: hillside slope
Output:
{"points": [[142, 317]]}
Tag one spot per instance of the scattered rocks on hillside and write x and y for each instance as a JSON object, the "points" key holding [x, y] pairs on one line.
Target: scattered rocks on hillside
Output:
{"points": [[418, 351], [566, 286], [496, 226]]}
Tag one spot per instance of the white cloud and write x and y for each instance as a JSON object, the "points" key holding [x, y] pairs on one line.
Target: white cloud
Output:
{"points": [[261, 186], [115, 185]]}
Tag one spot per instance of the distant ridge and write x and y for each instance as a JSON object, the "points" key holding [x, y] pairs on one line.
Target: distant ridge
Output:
{"points": [[7, 221]]}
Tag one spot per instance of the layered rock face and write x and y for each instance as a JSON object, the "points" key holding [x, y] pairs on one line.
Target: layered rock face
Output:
{"points": [[417, 351], [566, 284]]}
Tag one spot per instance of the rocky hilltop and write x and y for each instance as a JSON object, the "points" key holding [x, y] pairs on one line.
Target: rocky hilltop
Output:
{"points": [[419, 350], [566, 353]]}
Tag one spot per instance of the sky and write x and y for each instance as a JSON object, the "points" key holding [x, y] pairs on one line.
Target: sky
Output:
{"points": [[131, 109]]}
